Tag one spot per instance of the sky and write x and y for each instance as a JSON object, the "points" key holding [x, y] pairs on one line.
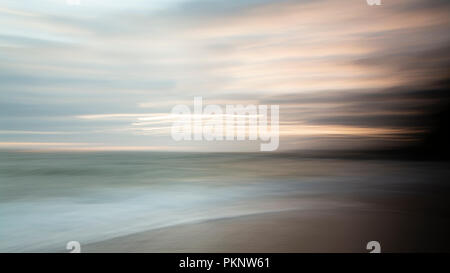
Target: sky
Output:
{"points": [[346, 75]]}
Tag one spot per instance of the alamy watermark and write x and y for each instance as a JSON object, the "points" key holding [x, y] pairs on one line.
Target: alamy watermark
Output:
{"points": [[232, 123], [373, 2], [73, 246], [374, 247]]}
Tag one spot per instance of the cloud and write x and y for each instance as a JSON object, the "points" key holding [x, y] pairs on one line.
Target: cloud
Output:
{"points": [[334, 67]]}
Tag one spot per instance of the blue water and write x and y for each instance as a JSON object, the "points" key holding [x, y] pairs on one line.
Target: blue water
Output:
{"points": [[48, 199]]}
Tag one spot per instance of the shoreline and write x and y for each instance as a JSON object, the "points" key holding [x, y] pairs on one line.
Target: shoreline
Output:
{"points": [[343, 230]]}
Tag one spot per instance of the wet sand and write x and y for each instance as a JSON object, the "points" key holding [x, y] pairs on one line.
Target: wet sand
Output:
{"points": [[343, 230]]}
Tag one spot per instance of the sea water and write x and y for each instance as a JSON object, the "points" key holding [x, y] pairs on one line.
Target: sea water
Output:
{"points": [[48, 199]]}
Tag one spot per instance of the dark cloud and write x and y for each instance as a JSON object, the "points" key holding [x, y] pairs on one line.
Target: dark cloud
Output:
{"points": [[429, 63], [402, 107]]}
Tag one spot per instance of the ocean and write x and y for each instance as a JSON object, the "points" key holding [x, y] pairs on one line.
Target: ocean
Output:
{"points": [[48, 199]]}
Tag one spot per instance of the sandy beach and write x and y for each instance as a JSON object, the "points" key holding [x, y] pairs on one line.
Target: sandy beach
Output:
{"points": [[346, 230]]}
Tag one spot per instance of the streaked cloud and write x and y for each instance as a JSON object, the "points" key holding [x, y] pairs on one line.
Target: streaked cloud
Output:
{"points": [[112, 70]]}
